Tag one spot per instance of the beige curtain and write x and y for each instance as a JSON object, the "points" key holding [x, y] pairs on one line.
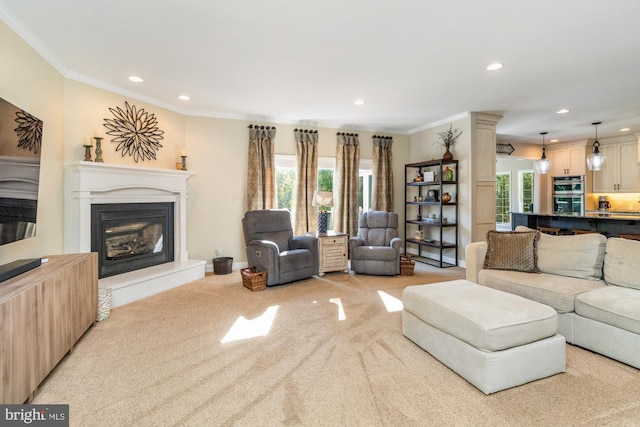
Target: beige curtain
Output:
{"points": [[345, 211], [261, 177], [382, 174], [306, 216]]}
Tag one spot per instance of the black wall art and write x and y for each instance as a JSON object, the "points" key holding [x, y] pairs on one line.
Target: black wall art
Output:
{"points": [[136, 132], [20, 153], [29, 131]]}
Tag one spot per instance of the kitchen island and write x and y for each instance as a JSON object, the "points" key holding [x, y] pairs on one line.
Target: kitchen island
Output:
{"points": [[610, 224]]}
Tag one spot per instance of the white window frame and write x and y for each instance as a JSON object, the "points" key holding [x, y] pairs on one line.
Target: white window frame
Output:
{"points": [[521, 188], [285, 161], [505, 224], [365, 169]]}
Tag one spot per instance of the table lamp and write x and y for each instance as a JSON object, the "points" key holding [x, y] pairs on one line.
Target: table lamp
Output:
{"points": [[323, 199]]}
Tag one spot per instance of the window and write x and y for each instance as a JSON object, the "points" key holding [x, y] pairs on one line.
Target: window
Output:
{"points": [[326, 169], [286, 181], [503, 197], [525, 183], [365, 185]]}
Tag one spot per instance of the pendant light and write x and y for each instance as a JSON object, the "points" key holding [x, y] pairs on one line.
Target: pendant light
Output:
{"points": [[542, 165], [596, 161]]}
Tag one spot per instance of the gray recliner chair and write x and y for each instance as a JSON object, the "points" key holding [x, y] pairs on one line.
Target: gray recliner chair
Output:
{"points": [[376, 250], [272, 247]]}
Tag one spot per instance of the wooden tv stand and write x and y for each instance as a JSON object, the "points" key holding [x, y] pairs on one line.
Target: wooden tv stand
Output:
{"points": [[43, 313]]}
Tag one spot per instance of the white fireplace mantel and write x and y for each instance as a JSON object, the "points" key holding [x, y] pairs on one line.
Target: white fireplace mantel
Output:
{"points": [[88, 183]]}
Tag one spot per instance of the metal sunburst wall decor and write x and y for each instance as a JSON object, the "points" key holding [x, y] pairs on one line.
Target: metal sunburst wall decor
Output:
{"points": [[135, 131], [29, 131]]}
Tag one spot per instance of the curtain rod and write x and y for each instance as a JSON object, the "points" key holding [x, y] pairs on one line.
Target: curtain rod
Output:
{"points": [[306, 130], [261, 127], [383, 137], [347, 134]]}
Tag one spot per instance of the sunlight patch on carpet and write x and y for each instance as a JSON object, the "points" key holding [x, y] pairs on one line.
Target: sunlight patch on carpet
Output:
{"points": [[390, 302], [338, 302], [244, 328]]}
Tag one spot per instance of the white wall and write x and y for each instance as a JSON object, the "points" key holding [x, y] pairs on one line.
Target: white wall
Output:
{"points": [[29, 82], [423, 146], [217, 153], [217, 193]]}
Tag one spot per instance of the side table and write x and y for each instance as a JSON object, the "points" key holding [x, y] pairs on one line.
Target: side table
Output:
{"points": [[333, 247]]}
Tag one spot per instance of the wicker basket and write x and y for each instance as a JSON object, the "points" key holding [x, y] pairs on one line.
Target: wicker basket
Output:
{"points": [[406, 265], [253, 279], [104, 303]]}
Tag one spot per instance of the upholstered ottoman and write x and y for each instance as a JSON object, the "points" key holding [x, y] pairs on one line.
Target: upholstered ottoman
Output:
{"points": [[493, 339]]}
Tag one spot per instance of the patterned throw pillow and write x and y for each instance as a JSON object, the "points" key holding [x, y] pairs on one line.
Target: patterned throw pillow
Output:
{"points": [[511, 250]]}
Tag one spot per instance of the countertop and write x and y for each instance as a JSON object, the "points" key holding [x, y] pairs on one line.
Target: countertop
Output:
{"points": [[617, 215]]}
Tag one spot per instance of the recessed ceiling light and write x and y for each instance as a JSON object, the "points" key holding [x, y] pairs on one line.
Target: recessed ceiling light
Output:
{"points": [[136, 79], [563, 111], [495, 66], [625, 129], [358, 102], [184, 97], [553, 140]]}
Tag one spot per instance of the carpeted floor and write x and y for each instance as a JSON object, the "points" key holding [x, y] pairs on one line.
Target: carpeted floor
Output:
{"points": [[329, 353]]}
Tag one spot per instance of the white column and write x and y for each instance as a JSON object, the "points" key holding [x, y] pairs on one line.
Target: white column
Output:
{"points": [[181, 226]]}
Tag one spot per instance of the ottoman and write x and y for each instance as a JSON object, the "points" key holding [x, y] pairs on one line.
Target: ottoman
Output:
{"points": [[493, 339]]}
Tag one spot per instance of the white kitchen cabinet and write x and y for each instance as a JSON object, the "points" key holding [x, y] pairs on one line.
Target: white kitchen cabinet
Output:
{"points": [[569, 160], [621, 173]]}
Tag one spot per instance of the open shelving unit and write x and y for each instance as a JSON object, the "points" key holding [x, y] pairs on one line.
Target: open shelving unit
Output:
{"points": [[424, 198]]}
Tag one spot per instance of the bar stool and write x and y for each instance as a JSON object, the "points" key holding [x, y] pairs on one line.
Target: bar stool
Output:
{"points": [[549, 230], [630, 236], [583, 231]]}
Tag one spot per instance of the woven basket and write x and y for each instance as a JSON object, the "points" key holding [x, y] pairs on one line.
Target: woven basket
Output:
{"points": [[406, 265], [253, 279], [104, 303]]}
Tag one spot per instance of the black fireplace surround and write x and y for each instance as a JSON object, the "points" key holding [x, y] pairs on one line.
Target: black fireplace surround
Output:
{"points": [[131, 236]]}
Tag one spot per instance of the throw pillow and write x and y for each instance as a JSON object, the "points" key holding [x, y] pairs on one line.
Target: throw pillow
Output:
{"points": [[511, 250], [621, 263], [580, 255]]}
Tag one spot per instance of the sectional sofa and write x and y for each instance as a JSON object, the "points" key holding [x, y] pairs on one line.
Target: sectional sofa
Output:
{"points": [[591, 281]]}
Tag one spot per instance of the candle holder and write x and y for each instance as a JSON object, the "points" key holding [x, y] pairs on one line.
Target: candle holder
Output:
{"points": [[98, 149], [87, 152], [184, 163]]}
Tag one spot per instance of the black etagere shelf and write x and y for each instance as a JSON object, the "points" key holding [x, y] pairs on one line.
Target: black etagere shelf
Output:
{"points": [[428, 239]]}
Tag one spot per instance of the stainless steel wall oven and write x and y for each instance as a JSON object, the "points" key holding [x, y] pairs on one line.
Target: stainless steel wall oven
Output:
{"points": [[568, 195]]}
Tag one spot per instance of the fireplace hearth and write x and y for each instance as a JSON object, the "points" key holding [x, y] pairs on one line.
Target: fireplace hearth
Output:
{"points": [[90, 183], [131, 236]]}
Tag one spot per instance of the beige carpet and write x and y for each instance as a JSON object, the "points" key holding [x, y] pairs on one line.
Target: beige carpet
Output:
{"points": [[160, 362]]}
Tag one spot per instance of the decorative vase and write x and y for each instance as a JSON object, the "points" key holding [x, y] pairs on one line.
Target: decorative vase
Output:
{"points": [[323, 221], [448, 174], [447, 155], [446, 198]]}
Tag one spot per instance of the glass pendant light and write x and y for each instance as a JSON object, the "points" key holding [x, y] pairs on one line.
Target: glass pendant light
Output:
{"points": [[596, 161], [542, 165]]}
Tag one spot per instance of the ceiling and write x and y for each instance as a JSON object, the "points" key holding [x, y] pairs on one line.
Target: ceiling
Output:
{"points": [[413, 62]]}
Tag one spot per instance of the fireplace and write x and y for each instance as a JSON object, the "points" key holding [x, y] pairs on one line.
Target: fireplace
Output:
{"points": [[131, 236], [91, 184]]}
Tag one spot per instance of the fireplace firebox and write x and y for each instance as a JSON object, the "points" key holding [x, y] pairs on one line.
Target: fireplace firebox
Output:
{"points": [[131, 236]]}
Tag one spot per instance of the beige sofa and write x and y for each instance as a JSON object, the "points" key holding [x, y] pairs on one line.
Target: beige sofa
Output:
{"points": [[591, 281]]}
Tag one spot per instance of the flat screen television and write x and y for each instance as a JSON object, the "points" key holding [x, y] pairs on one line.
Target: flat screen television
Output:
{"points": [[20, 147]]}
